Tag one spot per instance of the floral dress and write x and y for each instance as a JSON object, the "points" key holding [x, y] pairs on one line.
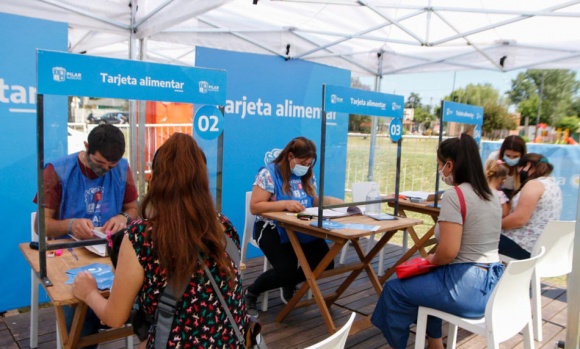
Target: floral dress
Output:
{"points": [[199, 320], [549, 207]]}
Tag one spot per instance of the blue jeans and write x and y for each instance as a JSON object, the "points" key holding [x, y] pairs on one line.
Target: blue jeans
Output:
{"points": [[461, 289], [91, 324]]}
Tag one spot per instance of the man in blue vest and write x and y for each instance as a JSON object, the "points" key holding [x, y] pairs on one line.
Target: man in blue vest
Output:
{"points": [[87, 190]]}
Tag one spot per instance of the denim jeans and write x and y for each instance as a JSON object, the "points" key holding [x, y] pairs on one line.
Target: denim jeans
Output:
{"points": [[461, 289]]}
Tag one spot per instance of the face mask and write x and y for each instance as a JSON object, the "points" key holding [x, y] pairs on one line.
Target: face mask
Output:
{"points": [[299, 170], [447, 180], [523, 176], [511, 162], [98, 170]]}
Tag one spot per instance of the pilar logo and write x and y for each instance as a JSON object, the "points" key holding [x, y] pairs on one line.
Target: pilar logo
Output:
{"points": [[58, 74], [203, 86]]}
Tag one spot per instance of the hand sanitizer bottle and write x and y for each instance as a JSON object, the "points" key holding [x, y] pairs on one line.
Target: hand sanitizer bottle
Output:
{"points": [[373, 194]]}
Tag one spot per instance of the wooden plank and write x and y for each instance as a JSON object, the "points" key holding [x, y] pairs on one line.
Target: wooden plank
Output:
{"points": [[304, 326]]}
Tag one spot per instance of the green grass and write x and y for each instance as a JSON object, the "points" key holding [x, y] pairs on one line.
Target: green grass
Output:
{"points": [[418, 169]]}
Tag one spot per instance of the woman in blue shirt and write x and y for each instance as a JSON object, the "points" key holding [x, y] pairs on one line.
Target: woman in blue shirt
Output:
{"points": [[287, 184]]}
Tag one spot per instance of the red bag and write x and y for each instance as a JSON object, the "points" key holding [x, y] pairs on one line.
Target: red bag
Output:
{"points": [[412, 267]]}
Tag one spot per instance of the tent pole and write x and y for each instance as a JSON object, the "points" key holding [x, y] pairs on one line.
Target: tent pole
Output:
{"points": [[375, 119], [573, 292], [133, 103]]}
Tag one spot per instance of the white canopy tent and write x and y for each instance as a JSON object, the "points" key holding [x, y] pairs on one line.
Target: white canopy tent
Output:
{"points": [[367, 37]]}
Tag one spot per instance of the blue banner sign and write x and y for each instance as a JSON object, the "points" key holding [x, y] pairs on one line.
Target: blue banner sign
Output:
{"points": [[353, 101], [463, 113], [69, 74]]}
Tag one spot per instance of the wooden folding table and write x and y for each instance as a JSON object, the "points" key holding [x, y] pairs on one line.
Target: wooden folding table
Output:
{"points": [[339, 238], [61, 295]]}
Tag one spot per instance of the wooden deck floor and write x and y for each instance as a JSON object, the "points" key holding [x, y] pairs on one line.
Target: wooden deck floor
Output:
{"points": [[304, 326]]}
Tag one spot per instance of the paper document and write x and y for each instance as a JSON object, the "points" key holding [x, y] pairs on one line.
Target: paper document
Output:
{"points": [[328, 213], [100, 249], [423, 195]]}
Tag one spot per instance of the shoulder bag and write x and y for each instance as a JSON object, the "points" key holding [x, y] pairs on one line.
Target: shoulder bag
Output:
{"points": [[254, 339], [418, 266]]}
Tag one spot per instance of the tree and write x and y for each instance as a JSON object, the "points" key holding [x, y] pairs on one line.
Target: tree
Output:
{"points": [[571, 123], [413, 101], [559, 87], [495, 113]]}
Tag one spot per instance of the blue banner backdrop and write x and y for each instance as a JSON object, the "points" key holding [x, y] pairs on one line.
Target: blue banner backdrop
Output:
{"points": [[21, 36], [269, 102], [566, 161]]}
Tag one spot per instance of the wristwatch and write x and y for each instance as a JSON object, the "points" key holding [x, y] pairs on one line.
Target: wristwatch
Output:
{"points": [[129, 219]]}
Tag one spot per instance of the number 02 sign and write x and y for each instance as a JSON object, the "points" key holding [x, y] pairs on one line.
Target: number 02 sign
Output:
{"points": [[208, 122]]}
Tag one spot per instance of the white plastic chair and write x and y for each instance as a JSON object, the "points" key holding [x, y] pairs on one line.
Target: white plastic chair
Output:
{"points": [[507, 312], [338, 339], [558, 240], [359, 192], [248, 238]]}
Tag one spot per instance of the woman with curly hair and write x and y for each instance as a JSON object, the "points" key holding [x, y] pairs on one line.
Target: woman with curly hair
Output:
{"points": [[179, 224]]}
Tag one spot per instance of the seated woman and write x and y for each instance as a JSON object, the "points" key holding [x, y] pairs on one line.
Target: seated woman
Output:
{"points": [[179, 221], [512, 149], [469, 266], [287, 184], [538, 201]]}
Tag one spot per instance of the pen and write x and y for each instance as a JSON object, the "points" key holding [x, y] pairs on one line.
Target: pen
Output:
{"points": [[73, 253]]}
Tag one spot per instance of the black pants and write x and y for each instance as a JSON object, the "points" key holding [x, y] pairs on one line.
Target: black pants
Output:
{"points": [[510, 248], [285, 271]]}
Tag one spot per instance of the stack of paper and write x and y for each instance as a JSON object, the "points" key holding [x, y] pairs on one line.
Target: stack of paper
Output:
{"points": [[327, 213], [100, 249]]}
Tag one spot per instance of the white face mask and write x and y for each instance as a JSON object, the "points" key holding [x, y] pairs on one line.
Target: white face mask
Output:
{"points": [[446, 179], [299, 170]]}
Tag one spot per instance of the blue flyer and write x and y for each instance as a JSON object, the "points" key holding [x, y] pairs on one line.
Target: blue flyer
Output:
{"points": [[103, 273]]}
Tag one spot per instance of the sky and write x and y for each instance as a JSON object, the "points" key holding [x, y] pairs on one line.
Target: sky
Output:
{"points": [[432, 87]]}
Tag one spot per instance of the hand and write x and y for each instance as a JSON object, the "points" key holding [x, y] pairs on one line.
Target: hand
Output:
{"points": [[84, 285], [430, 258], [116, 223], [294, 206], [82, 228]]}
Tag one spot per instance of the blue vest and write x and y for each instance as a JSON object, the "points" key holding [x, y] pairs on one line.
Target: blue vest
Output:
{"points": [[296, 193], [97, 199]]}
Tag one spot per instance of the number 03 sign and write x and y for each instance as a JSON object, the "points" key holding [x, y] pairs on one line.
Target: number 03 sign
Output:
{"points": [[396, 130], [208, 122]]}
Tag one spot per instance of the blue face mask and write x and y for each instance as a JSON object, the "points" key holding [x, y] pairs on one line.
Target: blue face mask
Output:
{"points": [[299, 170], [511, 162]]}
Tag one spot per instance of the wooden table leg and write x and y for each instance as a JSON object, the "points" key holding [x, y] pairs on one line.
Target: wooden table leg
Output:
{"points": [[408, 254], [61, 325], [311, 280], [77, 326]]}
